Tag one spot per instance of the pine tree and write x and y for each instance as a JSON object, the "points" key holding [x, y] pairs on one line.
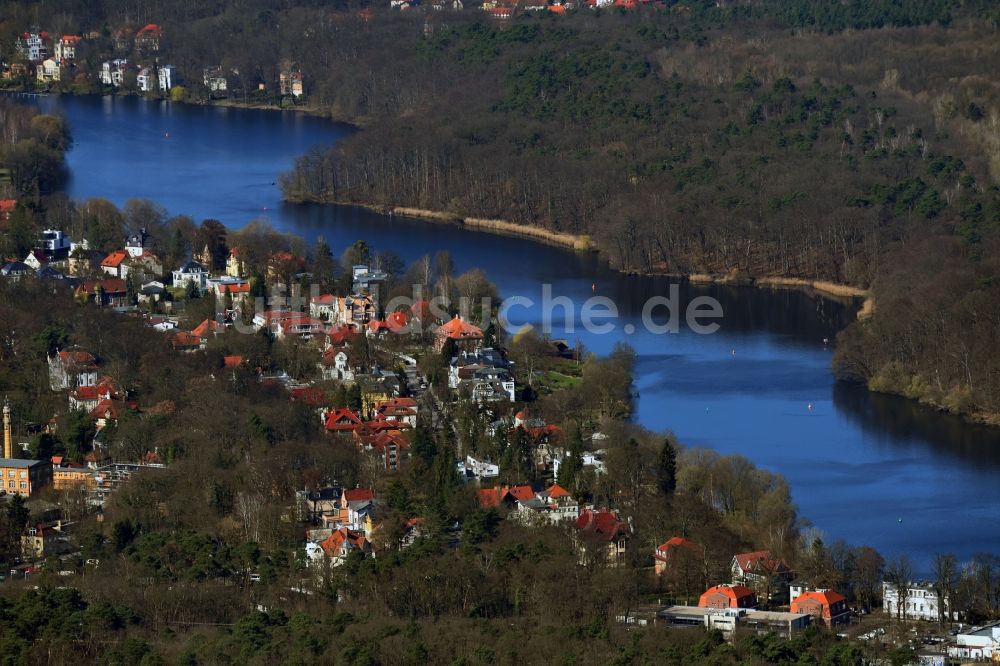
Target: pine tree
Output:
{"points": [[667, 468]]}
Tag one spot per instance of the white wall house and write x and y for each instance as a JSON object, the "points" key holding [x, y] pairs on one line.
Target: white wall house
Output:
{"points": [[920, 601], [146, 79], [113, 72], [166, 77], [979, 643], [191, 272]]}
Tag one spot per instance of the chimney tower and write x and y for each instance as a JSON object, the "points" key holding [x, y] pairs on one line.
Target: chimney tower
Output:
{"points": [[8, 446]]}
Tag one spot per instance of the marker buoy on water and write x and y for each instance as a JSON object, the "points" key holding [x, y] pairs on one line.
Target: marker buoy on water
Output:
{"points": [[809, 406], [593, 287]]}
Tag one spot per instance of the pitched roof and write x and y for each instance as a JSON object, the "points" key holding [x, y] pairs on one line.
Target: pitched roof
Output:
{"points": [[109, 286], [557, 491], [333, 543], [358, 494], [208, 326], [738, 595], [759, 560], [182, 340], [341, 420], [459, 329], [310, 395], [604, 523], [115, 259], [827, 598]]}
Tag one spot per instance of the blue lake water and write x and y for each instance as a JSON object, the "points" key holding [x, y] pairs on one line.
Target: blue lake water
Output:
{"points": [[870, 469]]}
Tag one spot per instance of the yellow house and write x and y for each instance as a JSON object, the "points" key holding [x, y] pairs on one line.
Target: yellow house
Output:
{"points": [[234, 265]]}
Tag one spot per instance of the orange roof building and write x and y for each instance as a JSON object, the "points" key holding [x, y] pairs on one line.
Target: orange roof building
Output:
{"points": [[458, 330], [828, 606], [728, 596]]}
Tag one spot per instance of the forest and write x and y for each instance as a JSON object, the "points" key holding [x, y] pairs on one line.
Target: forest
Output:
{"points": [[852, 142]]}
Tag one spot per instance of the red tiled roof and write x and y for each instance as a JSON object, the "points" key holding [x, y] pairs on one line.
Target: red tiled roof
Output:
{"points": [[232, 287], [359, 494], [557, 491], [110, 286], [324, 299], [232, 361], [182, 340], [663, 550], [78, 358], [332, 544], [458, 329], [115, 259], [759, 560], [605, 523], [208, 326], [341, 420], [310, 395], [8, 205]]}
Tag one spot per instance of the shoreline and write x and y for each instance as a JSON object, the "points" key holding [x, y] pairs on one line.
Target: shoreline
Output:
{"points": [[583, 243]]}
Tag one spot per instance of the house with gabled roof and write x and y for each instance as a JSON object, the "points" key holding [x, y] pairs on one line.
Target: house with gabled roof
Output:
{"points": [[766, 574], [728, 596], [828, 607], [674, 548], [462, 333], [336, 548], [191, 272], [147, 39], [72, 369], [601, 533], [114, 264], [341, 420]]}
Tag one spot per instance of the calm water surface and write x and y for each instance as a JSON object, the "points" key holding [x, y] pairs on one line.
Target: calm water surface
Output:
{"points": [[870, 469]]}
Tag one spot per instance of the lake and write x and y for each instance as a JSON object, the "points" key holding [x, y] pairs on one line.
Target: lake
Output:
{"points": [[870, 469]]}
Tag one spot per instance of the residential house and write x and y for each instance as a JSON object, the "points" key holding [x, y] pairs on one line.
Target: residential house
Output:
{"points": [[19, 476], [981, 643], [191, 272], [463, 334], [36, 259], [356, 310], [113, 72], [768, 575], [550, 506], [921, 601], [104, 293], [290, 82], [365, 279], [43, 540], [15, 270], [390, 447], [828, 607], [147, 40], [55, 243], [235, 266], [728, 596], [152, 292], [288, 323], [504, 496], [32, 46], [135, 245], [166, 77], [481, 381], [88, 397], [603, 535], [72, 369], [65, 50], [592, 459], [235, 289], [674, 550], [398, 410], [207, 329], [336, 548], [147, 266], [321, 307], [215, 81], [341, 420], [108, 412], [145, 80], [473, 468], [48, 71], [114, 264], [334, 364]]}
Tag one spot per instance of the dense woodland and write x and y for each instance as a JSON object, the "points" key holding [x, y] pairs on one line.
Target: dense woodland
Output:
{"points": [[757, 139], [853, 142]]}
